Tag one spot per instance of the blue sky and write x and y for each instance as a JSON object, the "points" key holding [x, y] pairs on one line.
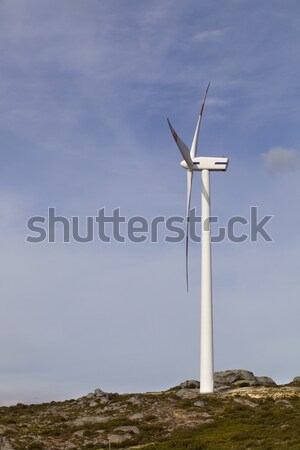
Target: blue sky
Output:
{"points": [[85, 90]]}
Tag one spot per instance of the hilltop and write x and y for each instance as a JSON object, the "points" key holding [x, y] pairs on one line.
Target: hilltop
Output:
{"points": [[246, 412]]}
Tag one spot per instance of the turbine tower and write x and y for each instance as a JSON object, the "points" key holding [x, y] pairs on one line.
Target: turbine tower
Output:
{"points": [[204, 164]]}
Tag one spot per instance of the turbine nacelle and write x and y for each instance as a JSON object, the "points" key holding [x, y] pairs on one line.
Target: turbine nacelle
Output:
{"points": [[206, 162]]}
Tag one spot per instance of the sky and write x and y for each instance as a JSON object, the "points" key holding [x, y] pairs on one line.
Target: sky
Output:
{"points": [[85, 88]]}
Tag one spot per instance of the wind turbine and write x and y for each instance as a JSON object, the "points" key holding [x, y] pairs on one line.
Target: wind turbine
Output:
{"points": [[204, 164]]}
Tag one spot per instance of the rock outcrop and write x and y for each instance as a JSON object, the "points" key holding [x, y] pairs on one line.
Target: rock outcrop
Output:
{"points": [[296, 381], [240, 378], [229, 379]]}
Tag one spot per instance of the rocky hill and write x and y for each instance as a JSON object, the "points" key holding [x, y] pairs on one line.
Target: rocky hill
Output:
{"points": [[246, 412]]}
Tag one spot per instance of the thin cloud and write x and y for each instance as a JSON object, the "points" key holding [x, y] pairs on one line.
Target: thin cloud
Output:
{"points": [[213, 101], [209, 35], [281, 159]]}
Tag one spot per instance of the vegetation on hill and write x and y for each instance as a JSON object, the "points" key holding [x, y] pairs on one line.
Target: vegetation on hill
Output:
{"points": [[255, 417]]}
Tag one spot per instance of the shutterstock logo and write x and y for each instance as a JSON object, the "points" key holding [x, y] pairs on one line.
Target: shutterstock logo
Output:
{"points": [[116, 227]]}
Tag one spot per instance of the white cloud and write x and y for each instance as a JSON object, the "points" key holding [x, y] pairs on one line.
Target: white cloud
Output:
{"points": [[209, 35], [281, 159], [213, 101]]}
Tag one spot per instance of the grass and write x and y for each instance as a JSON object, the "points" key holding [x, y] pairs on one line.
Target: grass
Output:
{"points": [[267, 427]]}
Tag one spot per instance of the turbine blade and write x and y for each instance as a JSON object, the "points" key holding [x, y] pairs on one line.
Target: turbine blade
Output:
{"points": [[189, 192], [184, 150], [196, 135]]}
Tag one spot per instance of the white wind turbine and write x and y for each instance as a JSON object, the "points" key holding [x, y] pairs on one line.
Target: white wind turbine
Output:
{"points": [[204, 164]]}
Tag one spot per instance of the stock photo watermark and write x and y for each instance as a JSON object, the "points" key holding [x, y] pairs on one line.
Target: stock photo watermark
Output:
{"points": [[118, 228]]}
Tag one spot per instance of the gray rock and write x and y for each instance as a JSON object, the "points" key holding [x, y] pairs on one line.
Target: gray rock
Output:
{"points": [[188, 393], [226, 377], [231, 376], [118, 439], [296, 380], [285, 403], [222, 387], [129, 429], [240, 378], [93, 403], [90, 395], [135, 400], [265, 381], [208, 421], [100, 393], [206, 415], [200, 403], [136, 416], [246, 402], [90, 419], [78, 433], [190, 384]]}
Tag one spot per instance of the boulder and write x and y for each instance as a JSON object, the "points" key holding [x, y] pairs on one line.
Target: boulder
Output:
{"points": [[284, 402], [92, 404], [232, 376], [129, 429], [136, 416], [78, 433], [246, 402], [225, 377], [222, 387], [199, 403], [82, 420], [99, 393], [118, 439], [190, 384], [205, 415], [265, 381], [229, 379], [188, 393], [241, 378], [296, 380], [135, 400], [90, 395]]}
